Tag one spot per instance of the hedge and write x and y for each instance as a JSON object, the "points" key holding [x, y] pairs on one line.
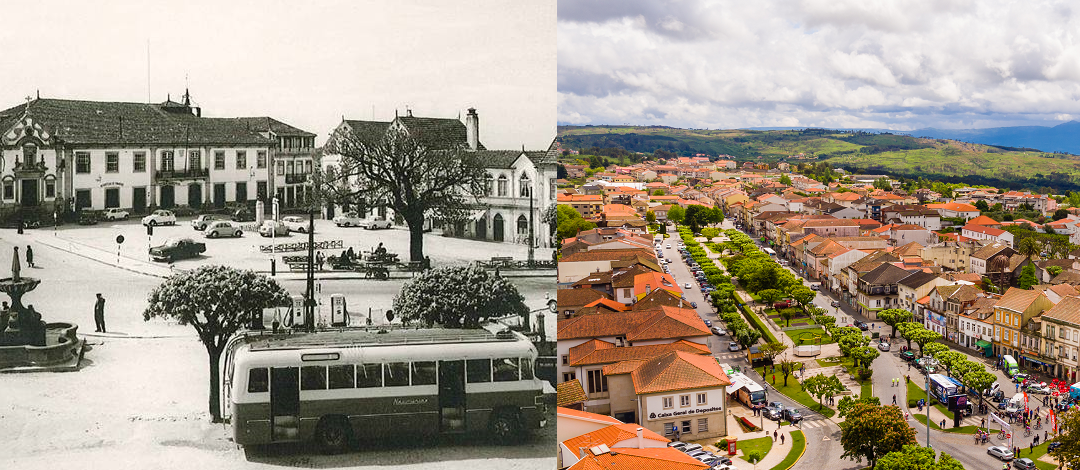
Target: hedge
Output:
{"points": [[754, 320]]}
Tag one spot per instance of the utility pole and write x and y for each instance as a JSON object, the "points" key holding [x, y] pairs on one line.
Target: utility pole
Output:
{"points": [[532, 229], [309, 302]]}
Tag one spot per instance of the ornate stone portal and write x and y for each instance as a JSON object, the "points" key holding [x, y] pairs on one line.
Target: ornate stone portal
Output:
{"points": [[27, 342]]}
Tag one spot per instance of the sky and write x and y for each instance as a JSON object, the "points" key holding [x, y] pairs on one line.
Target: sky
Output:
{"points": [[898, 64], [304, 63]]}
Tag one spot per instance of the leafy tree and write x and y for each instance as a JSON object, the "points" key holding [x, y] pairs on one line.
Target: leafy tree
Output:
{"points": [[803, 295], [785, 179], [787, 314], [883, 184], [822, 387], [914, 457], [847, 404], [982, 206], [418, 176], [676, 214], [458, 297], [650, 216], [950, 358], [659, 192], [1054, 270], [1027, 276], [748, 337], [827, 322], [873, 431], [769, 296], [217, 301], [710, 232], [787, 365], [865, 356], [932, 349], [697, 216], [1028, 246], [570, 223], [772, 349], [1069, 437], [923, 336], [894, 316], [978, 379], [1060, 214], [848, 342]]}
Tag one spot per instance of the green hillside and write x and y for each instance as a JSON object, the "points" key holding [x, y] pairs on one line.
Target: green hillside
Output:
{"points": [[897, 155]]}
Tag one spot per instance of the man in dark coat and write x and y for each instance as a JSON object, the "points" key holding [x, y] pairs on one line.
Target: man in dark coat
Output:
{"points": [[29, 256], [99, 314]]}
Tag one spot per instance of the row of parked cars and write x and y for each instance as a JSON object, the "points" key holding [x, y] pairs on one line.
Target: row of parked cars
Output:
{"points": [[717, 462], [776, 411]]}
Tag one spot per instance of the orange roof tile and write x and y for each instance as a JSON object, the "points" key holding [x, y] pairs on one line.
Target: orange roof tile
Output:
{"points": [[612, 435], [665, 458], [561, 411], [678, 371], [580, 355], [983, 220], [654, 280], [660, 323], [1018, 300], [571, 392]]}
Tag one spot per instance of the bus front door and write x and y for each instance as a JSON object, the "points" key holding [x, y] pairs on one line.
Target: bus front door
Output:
{"points": [[452, 396], [285, 403]]}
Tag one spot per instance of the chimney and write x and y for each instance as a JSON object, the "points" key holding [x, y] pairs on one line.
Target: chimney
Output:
{"points": [[648, 289], [583, 452], [198, 111], [472, 129], [640, 439]]}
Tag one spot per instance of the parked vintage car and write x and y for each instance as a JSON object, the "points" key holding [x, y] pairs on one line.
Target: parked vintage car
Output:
{"points": [[199, 223], [350, 219], [223, 228], [115, 213], [270, 228], [296, 223], [177, 248], [87, 217], [379, 224], [243, 215], [160, 217]]}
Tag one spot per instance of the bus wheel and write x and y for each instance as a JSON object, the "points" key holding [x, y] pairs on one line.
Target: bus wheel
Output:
{"points": [[333, 434], [504, 427]]}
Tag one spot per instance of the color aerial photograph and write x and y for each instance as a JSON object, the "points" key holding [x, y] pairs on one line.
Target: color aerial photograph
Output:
{"points": [[278, 234], [818, 234]]}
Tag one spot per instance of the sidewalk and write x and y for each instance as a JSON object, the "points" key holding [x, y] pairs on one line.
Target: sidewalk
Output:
{"points": [[776, 454]]}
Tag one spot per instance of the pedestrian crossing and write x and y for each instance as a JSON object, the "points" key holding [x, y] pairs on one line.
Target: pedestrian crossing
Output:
{"points": [[813, 423]]}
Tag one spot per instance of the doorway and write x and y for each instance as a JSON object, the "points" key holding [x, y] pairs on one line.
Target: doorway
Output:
{"points": [[138, 200], [112, 198], [498, 228], [29, 196], [284, 403], [194, 195], [481, 228], [168, 197], [451, 396], [219, 195]]}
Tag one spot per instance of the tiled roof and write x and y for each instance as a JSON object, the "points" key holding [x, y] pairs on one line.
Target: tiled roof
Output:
{"points": [[661, 323], [105, 122], [584, 354], [964, 294], [367, 130], [607, 255], [571, 392], [678, 371], [612, 435], [436, 132], [654, 280], [916, 279], [599, 278], [994, 232], [609, 304], [572, 413], [266, 123], [984, 220], [664, 458], [573, 298], [911, 249], [1067, 277], [884, 275], [1066, 311], [1018, 300], [506, 158], [989, 251]]}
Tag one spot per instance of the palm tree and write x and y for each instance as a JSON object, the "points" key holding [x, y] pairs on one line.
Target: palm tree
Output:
{"points": [[1028, 246]]}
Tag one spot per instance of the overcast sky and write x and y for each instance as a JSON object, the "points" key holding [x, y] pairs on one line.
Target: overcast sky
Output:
{"points": [[304, 63], [901, 64]]}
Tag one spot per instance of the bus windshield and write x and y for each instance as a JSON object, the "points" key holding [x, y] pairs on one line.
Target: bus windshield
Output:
{"points": [[757, 397]]}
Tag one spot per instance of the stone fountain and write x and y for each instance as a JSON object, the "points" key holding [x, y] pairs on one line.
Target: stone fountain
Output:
{"points": [[27, 342]]}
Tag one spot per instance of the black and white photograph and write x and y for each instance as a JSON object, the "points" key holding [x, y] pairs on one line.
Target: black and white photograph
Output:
{"points": [[278, 234]]}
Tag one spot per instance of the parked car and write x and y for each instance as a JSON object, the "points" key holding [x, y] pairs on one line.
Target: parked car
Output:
{"points": [[692, 448], [199, 223], [792, 415], [1020, 378], [243, 215], [1053, 445], [677, 444], [716, 330], [782, 304], [883, 346], [686, 286], [115, 213], [733, 346], [861, 325], [708, 323], [223, 228], [669, 246], [907, 356], [378, 224], [693, 304], [87, 217], [1001, 452], [775, 413], [1040, 388], [295, 223], [270, 228], [814, 286], [177, 248], [1024, 464], [835, 303], [160, 217], [696, 453]]}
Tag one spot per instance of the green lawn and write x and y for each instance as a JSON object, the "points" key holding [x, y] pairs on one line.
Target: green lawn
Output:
{"points": [[798, 446], [807, 336], [761, 444], [795, 392], [960, 430], [916, 392]]}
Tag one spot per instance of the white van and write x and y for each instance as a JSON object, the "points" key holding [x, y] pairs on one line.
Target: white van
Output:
{"points": [[1015, 404]]}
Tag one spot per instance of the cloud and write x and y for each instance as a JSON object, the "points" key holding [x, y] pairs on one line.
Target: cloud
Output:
{"points": [[901, 63]]}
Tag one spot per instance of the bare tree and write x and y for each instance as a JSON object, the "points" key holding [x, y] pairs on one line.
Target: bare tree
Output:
{"points": [[417, 178]]}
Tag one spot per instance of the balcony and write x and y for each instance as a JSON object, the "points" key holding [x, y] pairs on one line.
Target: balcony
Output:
{"points": [[296, 178], [193, 173]]}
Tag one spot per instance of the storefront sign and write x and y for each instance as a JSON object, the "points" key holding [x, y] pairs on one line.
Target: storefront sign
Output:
{"points": [[112, 184], [714, 401], [687, 412]]}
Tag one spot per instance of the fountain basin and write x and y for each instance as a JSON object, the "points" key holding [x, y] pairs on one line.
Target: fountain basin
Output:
{"points": [[62, 351]]}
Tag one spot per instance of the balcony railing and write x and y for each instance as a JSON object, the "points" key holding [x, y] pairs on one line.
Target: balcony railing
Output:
{"points": [[182, 174], [296, 178]]}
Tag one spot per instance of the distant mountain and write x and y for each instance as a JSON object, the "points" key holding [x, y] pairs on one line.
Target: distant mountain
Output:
{"points": [[1061, 138]]}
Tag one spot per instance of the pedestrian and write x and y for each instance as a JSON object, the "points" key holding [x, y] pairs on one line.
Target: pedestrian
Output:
{"points": [[1017, 388], [99, 314], [1045, 435], [774, 377], [983, 423], [774, 433], [29, 256], [894, 399], [781, 439], [943, 424]]}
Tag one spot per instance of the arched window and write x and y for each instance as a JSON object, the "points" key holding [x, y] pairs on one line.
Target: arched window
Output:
{"points": [[489, 185], [503, 183], [525, 184], [522, 226]]}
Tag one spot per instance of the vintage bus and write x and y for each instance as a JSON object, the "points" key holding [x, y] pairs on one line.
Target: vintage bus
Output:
{"points": [[744, 389], [942, 387], [337, 387]]}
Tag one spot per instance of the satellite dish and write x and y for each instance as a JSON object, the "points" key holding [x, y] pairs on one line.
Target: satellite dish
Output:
{"points": [[389, 315]]}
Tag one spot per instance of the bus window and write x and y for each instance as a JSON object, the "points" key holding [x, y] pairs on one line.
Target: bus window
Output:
{"points": [[526, 369], [423, 373], [313, 378], [341, 376], [478, 370], [506, 369], [258, 380], [397, 374], [369, 375]]}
